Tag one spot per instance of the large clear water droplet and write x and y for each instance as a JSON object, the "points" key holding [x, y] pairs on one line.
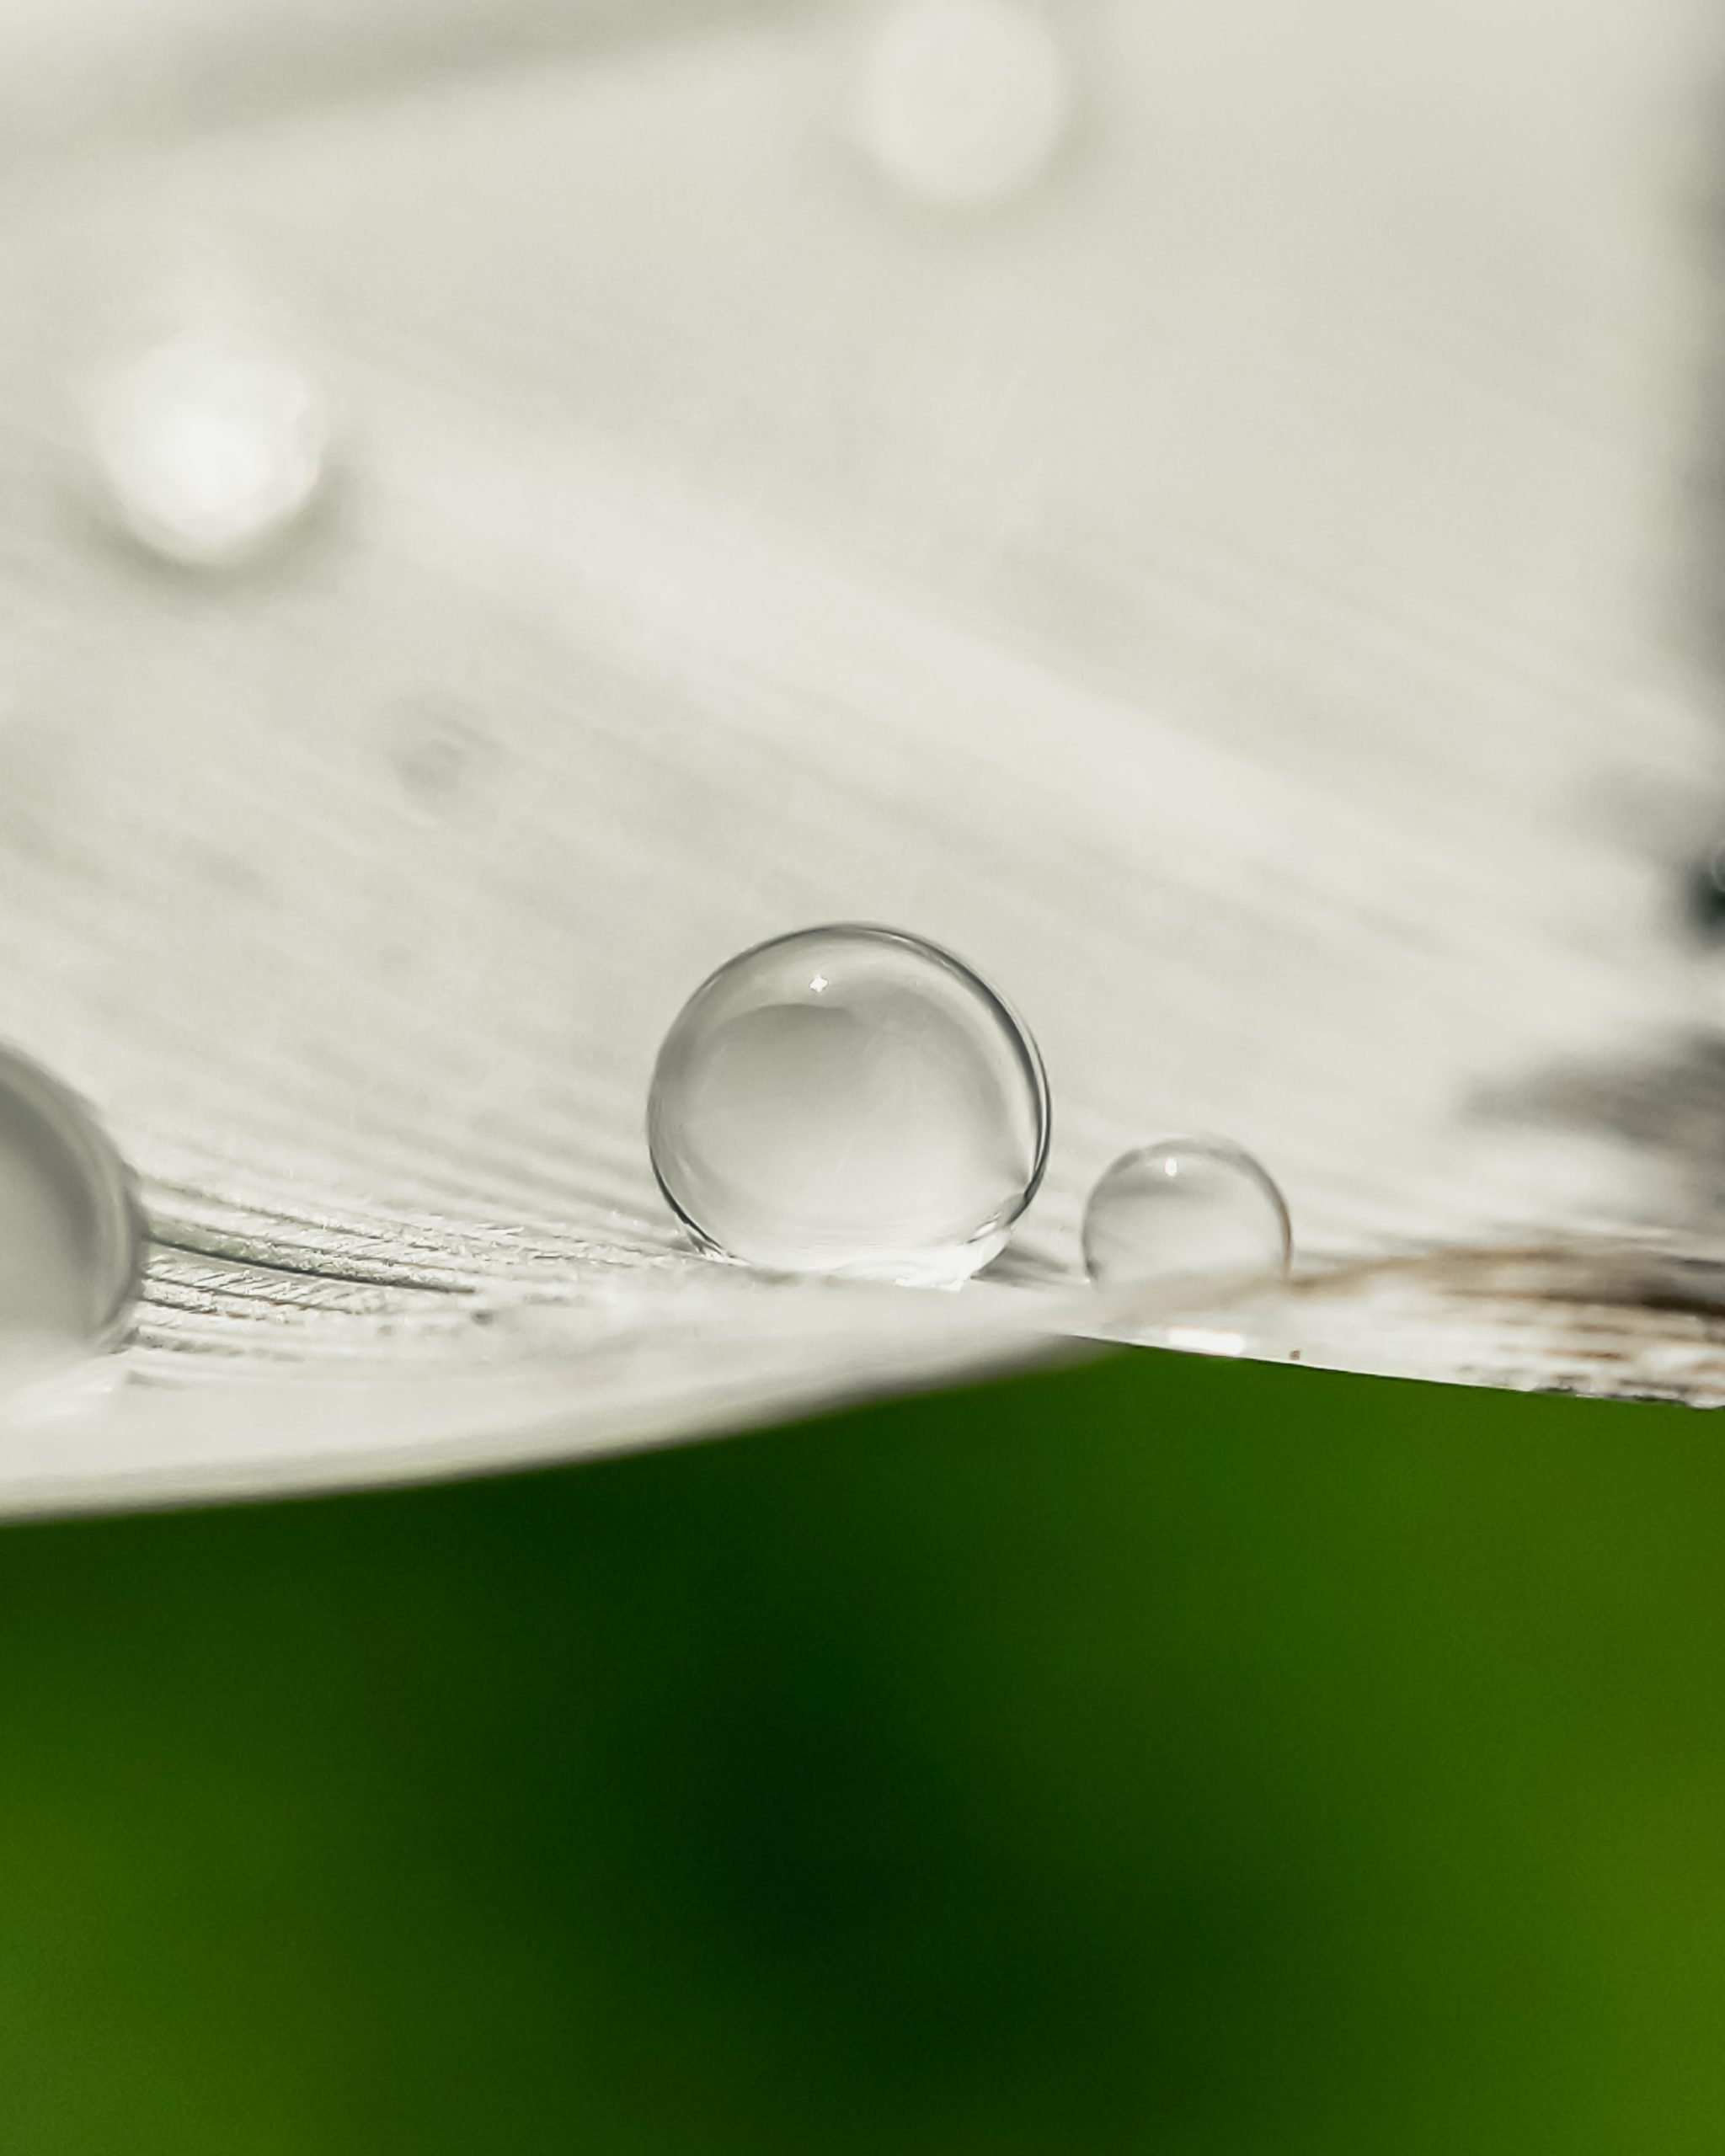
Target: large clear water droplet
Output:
{"points": [[71, 1232], [963, 102], [210, 447], [1190, 1212], [849, 1100]]}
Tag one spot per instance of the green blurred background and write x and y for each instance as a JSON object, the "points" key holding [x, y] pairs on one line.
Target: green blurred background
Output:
{"points": [[1160, 1754]]}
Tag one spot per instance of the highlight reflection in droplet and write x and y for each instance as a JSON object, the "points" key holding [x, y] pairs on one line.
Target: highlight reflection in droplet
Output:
{"points": [[71, 1232]]}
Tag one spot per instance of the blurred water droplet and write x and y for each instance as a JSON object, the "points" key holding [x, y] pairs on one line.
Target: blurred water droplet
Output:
{"points": [[70, 1234], [964, 103], [1189, 1210], [440, 754], [849, 1100], [209, 447]]}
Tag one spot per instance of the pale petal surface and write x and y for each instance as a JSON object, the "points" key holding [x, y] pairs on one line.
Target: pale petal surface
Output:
{"points": [[1228, 593]]}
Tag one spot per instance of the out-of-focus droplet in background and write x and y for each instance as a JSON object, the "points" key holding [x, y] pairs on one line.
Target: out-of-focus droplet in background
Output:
{"points": [[849, 1100], [209, 447], [1186, 1211], [962, 103]]}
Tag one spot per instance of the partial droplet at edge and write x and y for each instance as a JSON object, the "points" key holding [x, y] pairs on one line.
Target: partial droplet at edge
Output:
{"points": [[103, 1183], [952, 147]]}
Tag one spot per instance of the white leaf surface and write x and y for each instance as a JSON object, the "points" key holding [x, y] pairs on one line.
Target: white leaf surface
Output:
{"points": [[1229, 595]]}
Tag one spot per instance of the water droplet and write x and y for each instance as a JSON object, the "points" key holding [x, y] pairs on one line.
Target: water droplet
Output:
{"points": [[849, 1100], [441, 754], [964, 103], [71, 1233], [1188, 1211], [210, 448]]}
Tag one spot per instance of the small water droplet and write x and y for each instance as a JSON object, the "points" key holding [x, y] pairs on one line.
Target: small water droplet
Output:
{"points": [[964, 103], [890, 1123], [1186, 1211], [71, 1233], [210, 447]]}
